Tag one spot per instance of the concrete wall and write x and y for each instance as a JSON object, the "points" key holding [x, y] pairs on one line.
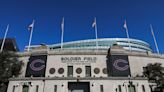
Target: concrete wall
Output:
{"points": [[138, 62], [32, 85], [62, 85], [54, 61], [25, 60]]}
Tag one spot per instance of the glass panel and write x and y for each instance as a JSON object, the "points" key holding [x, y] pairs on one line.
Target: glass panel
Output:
{"points": [[13, 89], [70, 71], [131, 88], [55, 88], [119, 88], [77, 91], [143, 88], [37, 88], [101, 88], [25, 88], [88, 71]]}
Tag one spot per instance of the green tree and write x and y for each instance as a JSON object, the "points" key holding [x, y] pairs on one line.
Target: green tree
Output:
{"points": [[9, 66], [154, 72]]}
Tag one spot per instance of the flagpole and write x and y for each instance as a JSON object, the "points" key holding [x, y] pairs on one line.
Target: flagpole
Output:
{"points": [[62, 35], [96, 34], [155, 42], [30, 36], [127, 33], [3, 42]]}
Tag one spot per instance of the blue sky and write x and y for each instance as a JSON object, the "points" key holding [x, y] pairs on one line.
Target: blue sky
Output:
{"points": [[79, 16]]}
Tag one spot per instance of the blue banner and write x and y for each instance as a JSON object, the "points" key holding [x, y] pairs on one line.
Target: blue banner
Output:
{"points": [[36, 66], [119, 65]]}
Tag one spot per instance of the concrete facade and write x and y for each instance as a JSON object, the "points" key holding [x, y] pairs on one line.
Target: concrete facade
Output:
{"points": [[81, 59], [109, 84]]}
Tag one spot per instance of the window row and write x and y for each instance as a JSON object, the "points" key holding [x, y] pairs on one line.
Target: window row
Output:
{"points": [[25, 88], [78, 70], [130, 88]]}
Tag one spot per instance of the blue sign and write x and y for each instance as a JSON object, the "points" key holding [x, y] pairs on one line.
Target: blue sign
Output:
{"points": [[36, 66]]}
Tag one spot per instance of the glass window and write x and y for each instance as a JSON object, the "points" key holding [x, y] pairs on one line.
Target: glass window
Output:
{"points": [[143, 88], [13, 89], [37, 88], [55, 88], [88, 71], [101, 88], [70, 71], [119, 88], [25, 88], [131, 88]]}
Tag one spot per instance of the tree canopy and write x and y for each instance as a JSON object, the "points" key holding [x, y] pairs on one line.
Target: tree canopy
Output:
{"points": [[155, 74], [9, 66]]}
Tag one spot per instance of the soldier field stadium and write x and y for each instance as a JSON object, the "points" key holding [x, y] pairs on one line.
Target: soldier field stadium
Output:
{"points": [[116, 65]]}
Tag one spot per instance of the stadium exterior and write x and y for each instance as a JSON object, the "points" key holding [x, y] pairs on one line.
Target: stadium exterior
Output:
{"points": [[80, 67]]}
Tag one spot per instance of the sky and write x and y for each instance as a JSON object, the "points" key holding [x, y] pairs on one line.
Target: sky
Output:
{"points": [[79, 15]]}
